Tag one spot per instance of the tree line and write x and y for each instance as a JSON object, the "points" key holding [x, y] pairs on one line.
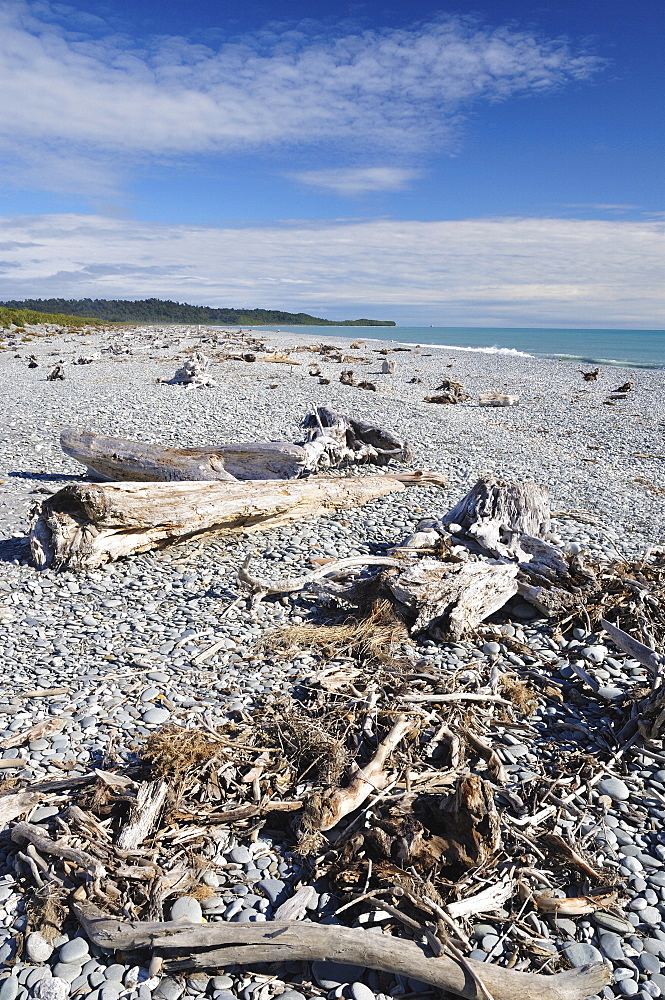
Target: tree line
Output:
{"points": [[166, 311]]}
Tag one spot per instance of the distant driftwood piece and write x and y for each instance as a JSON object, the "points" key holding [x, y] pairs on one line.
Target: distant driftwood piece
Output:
{"points": [[458, 569], [89, 524], [449, 392], [194, 371], [497, 399], [332, 439], [213, 945]]}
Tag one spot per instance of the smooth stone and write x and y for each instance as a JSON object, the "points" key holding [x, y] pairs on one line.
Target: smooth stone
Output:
{"points": [[35, 975], [169, 989], [51, 989], [221, 983], [37, 947], [273, 888], [579, 954], [76, 950], [328, 975], [110, 990], [652, 945], [115, 972], [615, 788], [628, 987], [648, 962], [611, 947], [650, 915], [155, 717], [186, 908], [294, 995], [66, 971], [9, 988], [240, 855], [198, 982], [361, 992]]}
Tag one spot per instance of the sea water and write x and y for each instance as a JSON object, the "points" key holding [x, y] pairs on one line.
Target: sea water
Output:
{"points": [[623, 348]]}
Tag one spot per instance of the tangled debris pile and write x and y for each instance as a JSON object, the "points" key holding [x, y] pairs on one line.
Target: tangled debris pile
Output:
{"points": [[391, 783]]}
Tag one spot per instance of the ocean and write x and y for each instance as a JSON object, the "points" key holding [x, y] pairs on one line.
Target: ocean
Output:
{"points": [[622, 348]]}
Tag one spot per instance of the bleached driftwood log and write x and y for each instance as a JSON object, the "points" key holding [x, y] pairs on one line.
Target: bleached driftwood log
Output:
{"points": [[332, 439], [115, 459], [89, 524], [324, 811], [455, 597], [216, 945]]}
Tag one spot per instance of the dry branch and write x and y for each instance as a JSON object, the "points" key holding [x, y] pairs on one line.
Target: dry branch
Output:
{"points": [[22, 832], [325, 811], [221, 945]]}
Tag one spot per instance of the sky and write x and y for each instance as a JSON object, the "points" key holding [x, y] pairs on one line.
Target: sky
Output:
{"points": [[489, 164]]}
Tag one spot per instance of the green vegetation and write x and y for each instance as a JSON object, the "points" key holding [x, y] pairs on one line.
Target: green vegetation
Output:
{"points": [[19, 317], [160, 311]]}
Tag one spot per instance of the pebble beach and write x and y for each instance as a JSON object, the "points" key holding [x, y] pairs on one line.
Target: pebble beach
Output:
{"points": [[138, 643]]}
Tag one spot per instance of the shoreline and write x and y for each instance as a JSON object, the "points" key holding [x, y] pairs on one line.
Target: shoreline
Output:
{"points": [[652, 351]]}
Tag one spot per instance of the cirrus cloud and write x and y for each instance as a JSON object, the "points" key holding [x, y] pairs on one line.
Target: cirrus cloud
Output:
{"points": [[358, 180], [93, 105]]}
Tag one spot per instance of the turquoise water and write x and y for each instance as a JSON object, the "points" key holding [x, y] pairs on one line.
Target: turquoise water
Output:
{"points": [[626, 348]]}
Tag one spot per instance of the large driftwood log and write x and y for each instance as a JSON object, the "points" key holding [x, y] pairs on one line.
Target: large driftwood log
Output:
{"points": [[332, 439], [114, 459], [216, 945], [89, 524]]}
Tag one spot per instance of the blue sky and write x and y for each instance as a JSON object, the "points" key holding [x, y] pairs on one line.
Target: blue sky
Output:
{"points": [[473, 164]]}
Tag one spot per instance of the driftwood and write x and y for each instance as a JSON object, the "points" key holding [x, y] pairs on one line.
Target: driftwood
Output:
{"points": [[449, 392], [87, 525], [143, 815], [325, 811], [223, 944], [22, 832], [497, 399], [488, 549], [194, 371], [332, 439], [16, 804]]}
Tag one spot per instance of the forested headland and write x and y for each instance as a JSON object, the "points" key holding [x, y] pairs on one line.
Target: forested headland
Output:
{"points": [[165, 311]]}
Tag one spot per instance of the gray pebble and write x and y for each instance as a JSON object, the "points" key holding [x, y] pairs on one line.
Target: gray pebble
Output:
{"points": [[156, 717], [582, 954], [361, 992], [38, 949], [240, 856], [169, 989], [9, 988], [76, 950], [66, 971], [187, 909], [328, 975], [615, 788]]}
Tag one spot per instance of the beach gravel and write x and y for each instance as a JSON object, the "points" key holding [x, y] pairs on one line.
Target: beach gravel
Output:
{"points": [[115, 647]]}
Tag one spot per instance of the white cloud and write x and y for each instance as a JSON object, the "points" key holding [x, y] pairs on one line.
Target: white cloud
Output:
{"points": [[495, 272], [358, 180], [65, 95]]}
